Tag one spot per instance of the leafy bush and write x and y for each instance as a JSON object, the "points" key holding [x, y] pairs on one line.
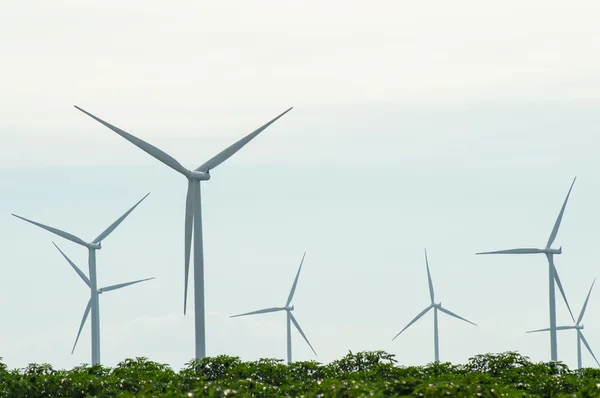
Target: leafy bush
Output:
{"points": [[362, 374]]}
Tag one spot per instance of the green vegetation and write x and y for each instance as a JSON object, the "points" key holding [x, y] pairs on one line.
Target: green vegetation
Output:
{"points": [[356, 375]]}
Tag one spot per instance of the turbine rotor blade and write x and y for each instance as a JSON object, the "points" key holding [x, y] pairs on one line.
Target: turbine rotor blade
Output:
{"points": [[526, 250], [414, 320], [264, 311], [293, 290], [121, 285], [119, 220], [56, 231], [454, 315], [559, 218], [548, 329], [558, 282], [588, 348], [79, 272], [189, 222], [295, 322], [85, 315], [585, 303], [143, 145], [429, 279], [232, 149]]}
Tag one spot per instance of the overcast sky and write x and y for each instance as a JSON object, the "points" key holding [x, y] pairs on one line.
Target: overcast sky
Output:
{"points": [[452, 126]]}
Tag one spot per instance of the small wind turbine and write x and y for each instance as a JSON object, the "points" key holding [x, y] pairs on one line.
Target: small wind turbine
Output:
{"points": [[193, 215], [579, 327], [435, 307], [290, 316], [92, 246], [552, 273], [98, 292]]}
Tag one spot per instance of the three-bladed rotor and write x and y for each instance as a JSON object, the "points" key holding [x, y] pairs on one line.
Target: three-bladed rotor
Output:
{"points": [[201, 173], [287, 308]]}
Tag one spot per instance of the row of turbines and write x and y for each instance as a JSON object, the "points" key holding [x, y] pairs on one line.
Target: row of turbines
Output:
{"points": [[193, 239]]}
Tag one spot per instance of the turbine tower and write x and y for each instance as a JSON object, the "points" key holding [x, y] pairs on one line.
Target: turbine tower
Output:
{"points": [[98, 292], [92, 246], [552, 273], [193, 215], [579, 327], [436, 307], [290, 316]]}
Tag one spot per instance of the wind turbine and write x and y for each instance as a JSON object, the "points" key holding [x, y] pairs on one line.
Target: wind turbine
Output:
{"points": [[290, 316], [436, 307], [579, 327], [98, 292], [92, 246], [193, 214], [552, 273]]}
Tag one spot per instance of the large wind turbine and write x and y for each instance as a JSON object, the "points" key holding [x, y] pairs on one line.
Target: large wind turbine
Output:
{"points": [[436, 307], [193, 214], [92, 246], [290, 316], [98, 292], [579, 327], [552, 273]]}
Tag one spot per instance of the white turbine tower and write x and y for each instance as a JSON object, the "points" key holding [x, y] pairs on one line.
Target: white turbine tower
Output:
{"points": [[552, 273], [435, 307], [579, 327], [98, 292], [193, 215], [92, 246], [290, 316]]}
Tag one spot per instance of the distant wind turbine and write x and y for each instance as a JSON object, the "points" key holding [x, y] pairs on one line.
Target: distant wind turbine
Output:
{"points": [[290, 316], [193, 215], [579, 327], [92, 246], [435, 307], [552, 273], [98, 292]]}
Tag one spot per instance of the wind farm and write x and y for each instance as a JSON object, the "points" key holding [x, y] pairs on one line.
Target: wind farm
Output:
{"points": [[361, 138]]}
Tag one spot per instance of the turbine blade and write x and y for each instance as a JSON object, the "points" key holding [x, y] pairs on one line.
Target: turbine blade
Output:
{"points": [[515, 251], [588, 348], [79, 272], [143, 145], [559, 218], [189, 222], [293, 290], [585, 303], [228, 152], [295, 322], [429, 279], [85, 315], [559, 283], [548, 329], [119, 220], [122, 285], [454, 315], [414, 320], [264, 311], [58, 232]]}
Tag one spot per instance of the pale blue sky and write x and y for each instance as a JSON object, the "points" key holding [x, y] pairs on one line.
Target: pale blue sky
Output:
{"points": [[452, 127]]}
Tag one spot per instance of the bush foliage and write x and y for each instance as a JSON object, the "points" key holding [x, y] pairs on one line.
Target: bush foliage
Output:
{"points": [[374, 374]]}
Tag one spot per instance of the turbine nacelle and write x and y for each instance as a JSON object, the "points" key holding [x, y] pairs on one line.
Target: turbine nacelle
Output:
{"points": [[199, 175], [95, 246], [288, 308]]}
